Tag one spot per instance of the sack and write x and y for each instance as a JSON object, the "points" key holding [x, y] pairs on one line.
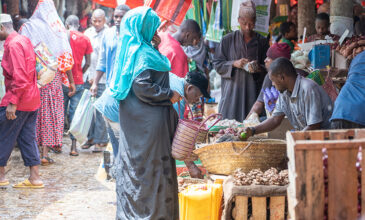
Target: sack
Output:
{"points": [[81, 121], [171, 10], [46, 26], [330, 88], [46, 65]]}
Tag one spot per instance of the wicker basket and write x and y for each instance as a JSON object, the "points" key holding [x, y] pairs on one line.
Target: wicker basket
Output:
{"points": [[225, 158], [188, 133]]}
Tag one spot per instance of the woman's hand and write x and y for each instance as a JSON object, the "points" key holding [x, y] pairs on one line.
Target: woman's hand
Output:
{"points": [[176, 97], [156, 40]]}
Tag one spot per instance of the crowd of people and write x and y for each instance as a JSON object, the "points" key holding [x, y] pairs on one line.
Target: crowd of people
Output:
{"points": [[142, 82]]}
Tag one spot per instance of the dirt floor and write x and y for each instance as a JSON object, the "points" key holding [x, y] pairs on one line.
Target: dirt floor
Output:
{"points": [[71, 190]]}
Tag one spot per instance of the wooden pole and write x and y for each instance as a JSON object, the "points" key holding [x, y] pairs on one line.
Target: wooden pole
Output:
{"points": [[343, 8], [306, 17], [12, 7], [32, 4], [282, 7]]}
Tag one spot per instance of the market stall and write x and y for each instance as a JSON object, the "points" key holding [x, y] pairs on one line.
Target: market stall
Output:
{"points": [[241, 174]]}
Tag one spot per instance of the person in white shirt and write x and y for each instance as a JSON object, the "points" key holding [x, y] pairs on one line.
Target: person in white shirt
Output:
{"points": [[98, 135]]}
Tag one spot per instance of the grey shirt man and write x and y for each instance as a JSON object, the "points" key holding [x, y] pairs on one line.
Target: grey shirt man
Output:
{"points": [[308, 104]]}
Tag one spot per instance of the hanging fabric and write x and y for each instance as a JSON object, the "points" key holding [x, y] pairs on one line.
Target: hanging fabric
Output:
{"points": [[107, 3], [215, 30], [171, 10]]}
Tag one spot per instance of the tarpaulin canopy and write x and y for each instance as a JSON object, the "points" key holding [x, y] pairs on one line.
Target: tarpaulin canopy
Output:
{"points": [[115, 3]]}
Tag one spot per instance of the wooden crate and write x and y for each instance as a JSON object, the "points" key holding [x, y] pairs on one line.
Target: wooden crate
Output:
{"points": [[306, 192], [275, 210]]}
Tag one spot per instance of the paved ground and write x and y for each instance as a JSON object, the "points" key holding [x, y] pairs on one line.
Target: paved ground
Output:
{"points": [[71, 190]]}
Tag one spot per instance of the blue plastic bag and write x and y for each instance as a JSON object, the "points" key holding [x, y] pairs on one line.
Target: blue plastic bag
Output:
{"points": [[320, 56], [81, 121], [108, 106]]}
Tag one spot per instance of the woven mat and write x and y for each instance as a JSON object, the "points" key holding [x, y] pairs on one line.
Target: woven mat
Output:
{"points": [[230, 191]]}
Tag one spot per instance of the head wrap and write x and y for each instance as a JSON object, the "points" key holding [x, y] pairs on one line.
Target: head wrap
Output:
{"points": [[135, 52], [5, 18], [247, 9], [279, 50]]}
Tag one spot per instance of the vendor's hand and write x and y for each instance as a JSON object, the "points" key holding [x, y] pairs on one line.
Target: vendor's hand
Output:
{"points": [[94, 89], [175, 97], [71, 90], [194, 171], [270, 97], [240, 63], [249, 132], [91, 81], [10, 111]]}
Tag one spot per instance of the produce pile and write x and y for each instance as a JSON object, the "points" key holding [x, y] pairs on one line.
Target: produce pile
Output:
{"points": [[225, 123], [256, 177], [184, 183], [351, 47], [230, 134], [300, 60]]}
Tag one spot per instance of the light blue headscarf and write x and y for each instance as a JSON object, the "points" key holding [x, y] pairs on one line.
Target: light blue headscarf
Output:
{"points": [[135, 52]]}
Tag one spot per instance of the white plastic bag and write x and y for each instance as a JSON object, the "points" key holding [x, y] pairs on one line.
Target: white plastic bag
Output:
{"points": [[81, 121], [2, 85]]}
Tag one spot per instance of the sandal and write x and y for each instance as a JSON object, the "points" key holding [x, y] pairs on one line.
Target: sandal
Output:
{"points": [[87, 145], [45, 161], [5, 183], [28, 185], [56, 149], [74, 153], [99, 147]]}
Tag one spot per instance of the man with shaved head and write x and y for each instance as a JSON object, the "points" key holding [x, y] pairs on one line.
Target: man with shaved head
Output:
{"points": [[98, 134], [239, 59], [188, 35], [105, 66], [81, 47]]}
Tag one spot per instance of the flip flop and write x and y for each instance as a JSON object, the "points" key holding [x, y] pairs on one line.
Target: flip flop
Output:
{"points": [[86, 146], [4, 183], [74, 153], [98, 150], [26, 184]]}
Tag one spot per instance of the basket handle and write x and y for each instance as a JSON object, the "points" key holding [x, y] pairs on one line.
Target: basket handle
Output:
{"points": [[186, 103], [243, 150], [218, 116]]}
